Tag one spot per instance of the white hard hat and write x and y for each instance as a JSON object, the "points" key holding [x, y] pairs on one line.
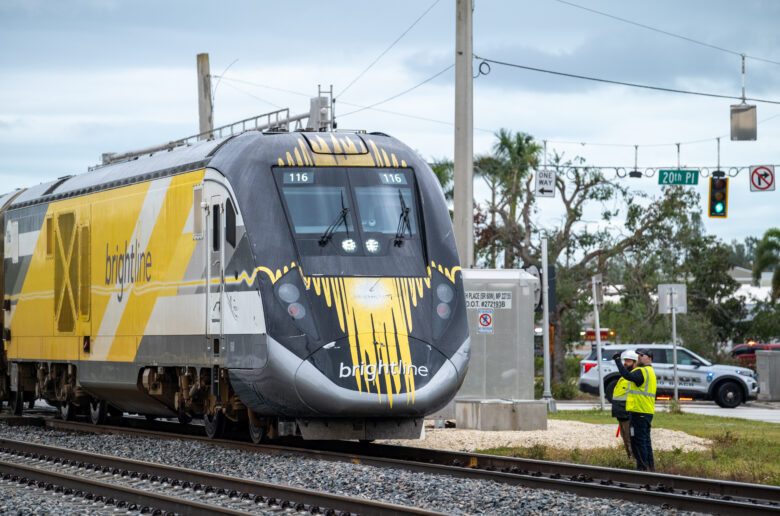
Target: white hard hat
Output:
{"points": [[629, 355]]}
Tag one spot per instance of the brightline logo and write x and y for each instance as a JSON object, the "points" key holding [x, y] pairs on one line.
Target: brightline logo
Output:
{"points": [[370, 371], [133, 266]]}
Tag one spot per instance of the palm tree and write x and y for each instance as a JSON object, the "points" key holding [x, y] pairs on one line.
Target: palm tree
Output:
{"points": [[518, 153], [767, 257], [444, 170]]}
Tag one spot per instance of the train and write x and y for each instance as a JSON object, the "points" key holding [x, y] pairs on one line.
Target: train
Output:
{"points": [[299, 283]]}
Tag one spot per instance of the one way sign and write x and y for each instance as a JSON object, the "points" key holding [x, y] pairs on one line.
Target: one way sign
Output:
{"points": [[545, 183]]}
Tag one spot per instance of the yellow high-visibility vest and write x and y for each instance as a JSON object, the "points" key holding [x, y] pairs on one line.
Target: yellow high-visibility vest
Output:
{"points": [[642, 398], [621, 389]]}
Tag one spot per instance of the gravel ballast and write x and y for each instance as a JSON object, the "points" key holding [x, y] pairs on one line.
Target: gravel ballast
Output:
{"points": [[24, 500], [559, 434], [438, 493]]}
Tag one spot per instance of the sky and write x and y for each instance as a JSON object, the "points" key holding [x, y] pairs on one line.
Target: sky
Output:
{"points": [[81, 78]]}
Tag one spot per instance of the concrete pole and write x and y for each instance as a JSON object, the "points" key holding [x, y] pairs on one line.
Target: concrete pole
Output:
{"points": [[464, 135], [599, 359], [674, 340], [546, 394], [205, 107]]}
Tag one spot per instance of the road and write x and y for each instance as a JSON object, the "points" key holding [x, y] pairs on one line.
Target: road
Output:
{"points": [[754, 411]]}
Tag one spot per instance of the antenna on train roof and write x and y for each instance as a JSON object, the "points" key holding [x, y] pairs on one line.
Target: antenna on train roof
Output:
{"points": [[320, 118]]}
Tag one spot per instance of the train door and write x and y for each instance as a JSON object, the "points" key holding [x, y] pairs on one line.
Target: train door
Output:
{"points": [[215, 269]]}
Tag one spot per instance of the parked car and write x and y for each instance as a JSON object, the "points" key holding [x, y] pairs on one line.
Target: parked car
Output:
{"points": [[697, 378], [745, 354]]}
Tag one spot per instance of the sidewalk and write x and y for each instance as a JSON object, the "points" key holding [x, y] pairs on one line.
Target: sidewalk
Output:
{"points": [[755, 410]]}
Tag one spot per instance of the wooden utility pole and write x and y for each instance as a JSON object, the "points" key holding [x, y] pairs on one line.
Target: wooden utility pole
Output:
{"points": [[464, 135], [205, 107]]}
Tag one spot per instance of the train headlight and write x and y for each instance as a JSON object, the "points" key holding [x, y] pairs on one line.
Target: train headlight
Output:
{"points": [[372, 245], [445, 293], [289, 293], [349, 245], [296, 311], [445, 303], [443, 310]]}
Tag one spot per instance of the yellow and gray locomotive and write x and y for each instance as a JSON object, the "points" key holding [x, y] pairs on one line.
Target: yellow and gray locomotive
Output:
{"points": [[298, 283]]}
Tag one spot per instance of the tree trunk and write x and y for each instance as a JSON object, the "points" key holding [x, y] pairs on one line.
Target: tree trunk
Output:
{"points": [[558, 365]]}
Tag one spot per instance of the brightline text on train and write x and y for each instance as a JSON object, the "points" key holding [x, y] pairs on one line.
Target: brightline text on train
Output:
{"points": [[370, 371], [131, 266]]}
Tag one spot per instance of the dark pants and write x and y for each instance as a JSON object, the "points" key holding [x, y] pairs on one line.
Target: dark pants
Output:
{"points": [[640, 440]]}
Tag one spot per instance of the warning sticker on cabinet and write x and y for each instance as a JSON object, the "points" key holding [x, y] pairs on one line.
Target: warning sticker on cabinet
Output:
{"points": [[496, 300], [485, 321]]}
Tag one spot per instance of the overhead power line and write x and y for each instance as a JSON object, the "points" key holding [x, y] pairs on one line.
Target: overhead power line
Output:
{"points": [[259, 85], [667, 33], [373, 107], [385, 51], [622, 83], [432, 77], [277, 106]]}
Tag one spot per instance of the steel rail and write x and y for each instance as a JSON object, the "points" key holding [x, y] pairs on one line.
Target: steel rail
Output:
{"points": [[114, 492], [689, 493], [294, 495]]}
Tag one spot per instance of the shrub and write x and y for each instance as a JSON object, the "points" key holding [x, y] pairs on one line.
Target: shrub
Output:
{"points": [[564, 390]]}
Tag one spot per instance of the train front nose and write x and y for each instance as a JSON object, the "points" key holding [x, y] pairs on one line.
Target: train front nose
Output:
{"points": [[372, 374]]}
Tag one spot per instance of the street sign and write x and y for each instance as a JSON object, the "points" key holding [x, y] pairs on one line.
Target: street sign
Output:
{"points": [[743, 122], [762, 178], [545, 183], [673, 294], [678, 177]]}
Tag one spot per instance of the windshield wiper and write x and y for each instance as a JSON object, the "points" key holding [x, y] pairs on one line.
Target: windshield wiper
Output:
{"points": [[340, 219], [403, 222]]}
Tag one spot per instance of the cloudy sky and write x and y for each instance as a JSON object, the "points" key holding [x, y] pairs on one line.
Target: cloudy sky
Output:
{"points": [[80, 78]]}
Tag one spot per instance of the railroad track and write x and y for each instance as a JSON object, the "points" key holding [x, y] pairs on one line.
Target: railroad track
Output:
{"points": [[150, 488], [687, 493]]}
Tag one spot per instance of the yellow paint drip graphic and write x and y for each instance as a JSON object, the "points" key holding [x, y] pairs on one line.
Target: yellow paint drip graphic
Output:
{"points": [[376, 316], [340, 151]]}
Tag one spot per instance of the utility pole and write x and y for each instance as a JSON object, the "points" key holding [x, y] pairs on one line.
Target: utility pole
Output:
{"points": [[547, 394], [205, 107], [464, 135]]}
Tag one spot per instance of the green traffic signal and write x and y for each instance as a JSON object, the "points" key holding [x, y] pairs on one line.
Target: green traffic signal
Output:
{"points": [[718, 200]]}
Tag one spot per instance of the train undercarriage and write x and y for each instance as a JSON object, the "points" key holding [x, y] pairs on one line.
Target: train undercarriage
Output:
{"points": [[188, 392]]}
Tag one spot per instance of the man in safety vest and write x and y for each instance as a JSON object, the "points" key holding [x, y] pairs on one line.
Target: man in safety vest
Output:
{"points": [[619, 395], [640, 404]]}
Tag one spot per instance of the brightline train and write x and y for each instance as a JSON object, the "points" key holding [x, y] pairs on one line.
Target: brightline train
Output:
{"points": [[302, 283]]}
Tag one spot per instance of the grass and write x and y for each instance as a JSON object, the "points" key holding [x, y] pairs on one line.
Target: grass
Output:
{"points": [[742, 450]]}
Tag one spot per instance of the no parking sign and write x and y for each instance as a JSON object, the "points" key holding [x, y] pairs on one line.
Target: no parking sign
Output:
{"points": [[485, 321]]}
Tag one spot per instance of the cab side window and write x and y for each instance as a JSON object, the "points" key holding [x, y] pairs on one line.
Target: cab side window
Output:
{"points": [[230, 223], [684, 358], [660, 356]]}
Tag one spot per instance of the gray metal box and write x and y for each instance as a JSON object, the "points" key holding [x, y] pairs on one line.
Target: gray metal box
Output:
{"points": [[500, 310], [768, 369]]}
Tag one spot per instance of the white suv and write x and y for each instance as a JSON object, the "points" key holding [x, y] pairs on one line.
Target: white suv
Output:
{"points": [[697, 378]]}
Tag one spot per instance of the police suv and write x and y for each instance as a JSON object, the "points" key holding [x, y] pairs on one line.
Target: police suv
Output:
{"points": [[697, 378]]}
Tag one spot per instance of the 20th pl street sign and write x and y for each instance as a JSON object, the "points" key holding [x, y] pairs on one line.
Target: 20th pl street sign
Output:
{"points": [[678, 177]]}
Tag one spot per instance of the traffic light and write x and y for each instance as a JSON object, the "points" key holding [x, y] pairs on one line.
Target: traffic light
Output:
{"points": [[719, 197]]}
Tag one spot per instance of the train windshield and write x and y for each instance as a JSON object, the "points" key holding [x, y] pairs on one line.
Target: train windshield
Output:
{"points": [[361, 212]]}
